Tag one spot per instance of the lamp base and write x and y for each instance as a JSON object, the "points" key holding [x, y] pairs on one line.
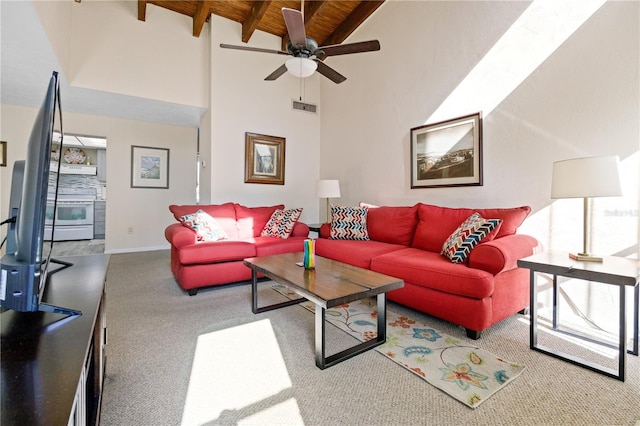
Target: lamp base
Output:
{"points": [[585, 257]]}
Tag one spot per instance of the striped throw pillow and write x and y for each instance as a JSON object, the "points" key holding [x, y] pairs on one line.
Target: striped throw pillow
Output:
{"points": [[281, 223], [468, 235], [349, 223]]}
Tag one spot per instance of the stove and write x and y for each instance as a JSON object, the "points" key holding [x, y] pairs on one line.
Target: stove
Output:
{"points": [[73, 214]]}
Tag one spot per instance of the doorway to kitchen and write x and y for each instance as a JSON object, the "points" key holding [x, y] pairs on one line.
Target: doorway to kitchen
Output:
{"points": [[81, 187]]}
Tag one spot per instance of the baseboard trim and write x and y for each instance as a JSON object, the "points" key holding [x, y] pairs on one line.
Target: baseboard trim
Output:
{"points": [[136, 249]]}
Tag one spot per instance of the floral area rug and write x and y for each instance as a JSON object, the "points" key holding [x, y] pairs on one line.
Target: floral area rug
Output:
{"points": [[459, 368]]}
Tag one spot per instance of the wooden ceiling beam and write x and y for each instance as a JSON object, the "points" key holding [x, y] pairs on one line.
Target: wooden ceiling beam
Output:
{"points": [[313, 10], [142, 10], [203, 10], [254, 17], [355, 18]]}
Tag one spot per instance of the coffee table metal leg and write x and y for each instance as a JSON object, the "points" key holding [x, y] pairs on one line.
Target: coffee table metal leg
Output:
{"points": [[320, 338], [323, 361], [254, 298], [382, 317]]}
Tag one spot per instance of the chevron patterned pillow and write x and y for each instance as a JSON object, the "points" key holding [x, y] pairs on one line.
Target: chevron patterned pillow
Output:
{"points": [[468, 235], [205, 226], [281, 223], [349, 223]]}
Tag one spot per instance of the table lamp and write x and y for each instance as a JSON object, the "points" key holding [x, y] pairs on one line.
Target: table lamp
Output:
{"points": [[328, 188], [586, 178]]}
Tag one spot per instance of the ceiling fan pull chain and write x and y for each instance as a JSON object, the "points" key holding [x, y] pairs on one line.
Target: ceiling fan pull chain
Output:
{"points": [[301, 82]]}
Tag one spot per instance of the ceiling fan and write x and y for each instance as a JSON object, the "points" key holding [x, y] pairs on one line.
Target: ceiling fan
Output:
{"points": [[307, 55]]}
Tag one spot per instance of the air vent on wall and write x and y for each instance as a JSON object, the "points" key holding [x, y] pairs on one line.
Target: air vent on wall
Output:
{"points": [[301, 106]]}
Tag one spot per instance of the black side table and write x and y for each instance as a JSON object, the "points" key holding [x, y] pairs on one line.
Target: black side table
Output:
{"points": [[613, 270], [315, 227]]}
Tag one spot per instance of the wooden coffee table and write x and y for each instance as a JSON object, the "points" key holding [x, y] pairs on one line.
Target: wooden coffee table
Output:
{"points": [[330, 284]]}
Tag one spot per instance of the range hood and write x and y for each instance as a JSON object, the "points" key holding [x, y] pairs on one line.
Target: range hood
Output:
{"points": [[81, 141]]}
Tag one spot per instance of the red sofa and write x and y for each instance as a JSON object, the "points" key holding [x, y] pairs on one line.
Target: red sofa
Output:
{"points": [[196, 264], [405, 242]]}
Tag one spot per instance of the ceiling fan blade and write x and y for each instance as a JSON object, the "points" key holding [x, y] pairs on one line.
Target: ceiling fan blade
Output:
{"points": [[295, 26], [345, 49], [329, 72], [277, 73], [253, 49]]}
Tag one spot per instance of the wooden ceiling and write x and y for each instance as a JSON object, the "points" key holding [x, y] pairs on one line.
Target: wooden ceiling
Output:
{"points": [[326, 21]]}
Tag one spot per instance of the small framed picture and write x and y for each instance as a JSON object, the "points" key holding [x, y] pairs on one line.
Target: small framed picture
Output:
{"points": [[149, 167], [448, 153], [264, 159], [3, 154]]}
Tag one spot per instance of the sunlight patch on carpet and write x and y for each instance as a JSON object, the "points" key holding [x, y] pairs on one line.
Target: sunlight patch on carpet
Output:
{"points": [[239, 376]]}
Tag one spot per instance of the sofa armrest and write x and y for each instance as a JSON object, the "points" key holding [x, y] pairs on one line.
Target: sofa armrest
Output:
{"points": [[300, 229], [325, 230], [502, 254], [179, 235]]}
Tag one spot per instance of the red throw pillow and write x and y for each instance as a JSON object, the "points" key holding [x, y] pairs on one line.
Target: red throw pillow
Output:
{"points": [[252, 220]]}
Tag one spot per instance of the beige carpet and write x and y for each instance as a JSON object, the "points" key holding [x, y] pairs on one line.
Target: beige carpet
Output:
{"points": [[207, 360]]}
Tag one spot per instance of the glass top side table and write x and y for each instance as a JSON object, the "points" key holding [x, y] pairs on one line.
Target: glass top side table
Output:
{"points": [[618, 271]]}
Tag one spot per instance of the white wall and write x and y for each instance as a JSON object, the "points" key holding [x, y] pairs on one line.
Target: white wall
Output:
{"points": [[241, 101], [146, 210], [581, 100], [103, 46]]}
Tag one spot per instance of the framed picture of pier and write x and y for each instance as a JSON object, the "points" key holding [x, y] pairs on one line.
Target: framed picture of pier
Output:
{"points": [[264, 159], [447, 153], [149, 167]]}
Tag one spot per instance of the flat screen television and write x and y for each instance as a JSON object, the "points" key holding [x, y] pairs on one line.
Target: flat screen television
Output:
{"points": [[24, 267]]}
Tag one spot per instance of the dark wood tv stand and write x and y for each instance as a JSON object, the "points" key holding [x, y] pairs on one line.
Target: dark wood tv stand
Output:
{"points": [[52, 366]]}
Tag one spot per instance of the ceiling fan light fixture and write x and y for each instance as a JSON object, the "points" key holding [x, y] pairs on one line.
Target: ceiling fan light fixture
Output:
{"points": [[301, 67]]}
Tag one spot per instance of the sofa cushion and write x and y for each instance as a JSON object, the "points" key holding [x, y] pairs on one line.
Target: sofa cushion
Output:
{"points": [[252, 220], [437, 223], [224, 214], [468, 235], [349, 223], [205, 227], [268, 246], [216, 251], [428, 269], [281, 223], [354, 252], [391, 224]]}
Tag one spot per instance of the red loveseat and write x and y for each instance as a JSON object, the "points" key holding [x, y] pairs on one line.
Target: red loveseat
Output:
{"points": [[197, 264], [405, 242]]}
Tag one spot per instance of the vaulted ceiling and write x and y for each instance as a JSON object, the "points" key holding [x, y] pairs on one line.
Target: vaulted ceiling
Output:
{"points": [[326, 21]]}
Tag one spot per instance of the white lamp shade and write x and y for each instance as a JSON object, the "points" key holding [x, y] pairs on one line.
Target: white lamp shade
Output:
{"points": [[301, 67], [328, 188], [586, 178]]}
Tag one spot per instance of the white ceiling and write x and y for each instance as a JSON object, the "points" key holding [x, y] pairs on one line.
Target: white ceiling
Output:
{"points": [[27, 62]]}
